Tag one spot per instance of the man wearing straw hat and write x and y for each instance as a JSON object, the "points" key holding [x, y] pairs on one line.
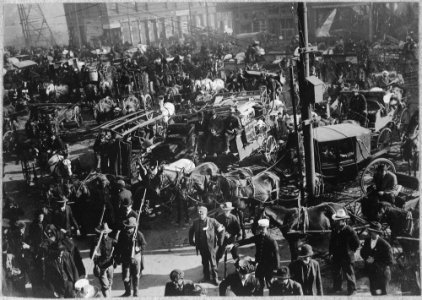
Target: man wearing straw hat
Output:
{"points": [[232, 232], [283, 285], [378, 256], [103, 258], [343, 245], [266, 256], [131, 266]]}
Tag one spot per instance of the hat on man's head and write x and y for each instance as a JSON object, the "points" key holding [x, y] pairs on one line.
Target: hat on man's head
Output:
{"points": [[245, 265], [282, 273], [264, 223], [375, 227], [381, 167], [227, 206], [126, 202], [340, 215], [62, 199], [20, 224], [176, 274], [305, 250], [58, 247], [103, 228], [121, 183], [130, 223], [202, 208]]}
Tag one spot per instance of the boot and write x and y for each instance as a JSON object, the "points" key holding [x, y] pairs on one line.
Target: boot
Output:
{"points": [[106, 293], [135, 287], [127, 290]]}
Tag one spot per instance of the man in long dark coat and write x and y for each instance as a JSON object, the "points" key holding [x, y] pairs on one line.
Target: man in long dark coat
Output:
{"points": [[343, 245], [266, 256], [206, 234], [61, 272], [378, 256], [306, 272]]}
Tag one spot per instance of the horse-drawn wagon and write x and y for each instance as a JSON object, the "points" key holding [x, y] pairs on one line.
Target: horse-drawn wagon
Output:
{"points": [[377, 110], [342, 150]]}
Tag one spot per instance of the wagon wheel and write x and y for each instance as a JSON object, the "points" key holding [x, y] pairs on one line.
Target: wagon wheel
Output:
{"points": [[355, 210], [369, 172], [384, 139], [271, 149], [147, 101]]}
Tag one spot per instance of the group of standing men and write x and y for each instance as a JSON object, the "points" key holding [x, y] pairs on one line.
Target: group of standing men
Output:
{"points": [[212, 237]]}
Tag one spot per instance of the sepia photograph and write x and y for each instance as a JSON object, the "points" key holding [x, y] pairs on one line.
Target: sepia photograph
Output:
{"points": [[173, 148]]}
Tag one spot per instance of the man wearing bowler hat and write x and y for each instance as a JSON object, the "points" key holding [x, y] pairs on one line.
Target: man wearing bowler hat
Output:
{"points": [[282, 285], [60, 272], [63, 217], [232, 230], [243, 281], [103, 258], [125, 213], [132, 266], [378, 257], [123, 193], [343, 244], [306, 272], [206, 234], [267, 256]]}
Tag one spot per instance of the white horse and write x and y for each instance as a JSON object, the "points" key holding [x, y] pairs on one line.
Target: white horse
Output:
{"points": [[167, 110], [60, 166], [204, 84], [217, 85], [57, 90]]}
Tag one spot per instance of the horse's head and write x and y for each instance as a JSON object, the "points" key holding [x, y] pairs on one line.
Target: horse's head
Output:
{"points": [[67, 167]]}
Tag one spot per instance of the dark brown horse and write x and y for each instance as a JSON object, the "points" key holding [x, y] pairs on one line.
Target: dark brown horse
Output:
{"points": [[197, 184], [294, 223]]}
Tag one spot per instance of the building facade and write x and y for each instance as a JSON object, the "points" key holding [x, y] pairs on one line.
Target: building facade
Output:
{"points": [[278, 19], [138, 22]]}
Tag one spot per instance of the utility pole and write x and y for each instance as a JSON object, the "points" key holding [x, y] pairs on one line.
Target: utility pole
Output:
{"points": [[371, 22], [306, 105], [297, 135]]}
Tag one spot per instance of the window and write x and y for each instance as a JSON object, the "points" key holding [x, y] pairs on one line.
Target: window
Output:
{"points": [[116, 7], [136, 6], [244, 28], [259, 25]]}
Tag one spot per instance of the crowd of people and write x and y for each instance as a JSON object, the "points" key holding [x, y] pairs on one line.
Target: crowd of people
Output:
{"points": [[45, 253]]}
